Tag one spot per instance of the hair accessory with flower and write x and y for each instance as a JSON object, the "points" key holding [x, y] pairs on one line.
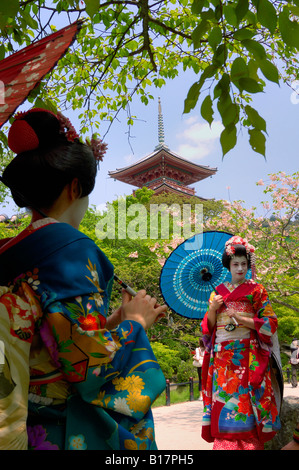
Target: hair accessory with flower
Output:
{"points": [[97, 146], [230, 250], [67, 128], [236, 240], [22, 136]]}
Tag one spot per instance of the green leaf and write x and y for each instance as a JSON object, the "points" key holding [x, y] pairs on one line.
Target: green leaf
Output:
{"points": [[92, 7], [239, 69], [198, 33], [2, 52], [197, 6], [230, 115], [230, 15], [192, 97], [194, 91], [228, 139], [289, 29], [222, 87], [241, 9], [255, 119], [215, 37], [220, 56], [243, 33], [45, 104], [269, 70], [250, 85], [294, 10], [207, 109], [208, 72], [266, 15], [257, 141], [9, 8], [255, 48], [252, 69]]}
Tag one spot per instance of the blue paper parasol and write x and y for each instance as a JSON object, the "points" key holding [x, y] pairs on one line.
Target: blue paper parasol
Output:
{"points": [[192, 271]]}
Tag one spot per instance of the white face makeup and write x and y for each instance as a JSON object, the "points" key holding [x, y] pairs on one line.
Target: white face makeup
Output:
{"points": [[238, 269]]}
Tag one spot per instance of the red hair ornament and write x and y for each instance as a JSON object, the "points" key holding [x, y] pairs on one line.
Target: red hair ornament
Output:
{"points": [[22, 137]]}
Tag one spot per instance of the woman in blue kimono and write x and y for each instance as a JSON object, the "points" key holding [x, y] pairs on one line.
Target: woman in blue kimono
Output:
{"points": [[93, 378]]}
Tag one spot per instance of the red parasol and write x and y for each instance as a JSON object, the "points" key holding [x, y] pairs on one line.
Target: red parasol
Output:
{"points": [[22, 71]]}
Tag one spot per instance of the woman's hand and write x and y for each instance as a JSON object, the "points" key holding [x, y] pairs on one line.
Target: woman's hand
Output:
{"points": [[233, 314], [114, 319], [245, 321], [142, 308], [216, 303]]}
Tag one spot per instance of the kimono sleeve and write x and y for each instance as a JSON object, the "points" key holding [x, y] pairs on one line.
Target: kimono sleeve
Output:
{"points": [[104, 366], [265, 320], [113, 370], [206, 331]]}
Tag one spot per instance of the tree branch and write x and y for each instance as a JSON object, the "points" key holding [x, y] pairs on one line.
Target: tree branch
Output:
{"points": [[285, 304]]}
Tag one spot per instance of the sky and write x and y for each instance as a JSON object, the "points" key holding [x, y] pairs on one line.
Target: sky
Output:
{"points": [[189, 136]]}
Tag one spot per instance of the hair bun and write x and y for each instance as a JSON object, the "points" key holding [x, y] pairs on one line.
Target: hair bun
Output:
{"points": [[22, 137]]}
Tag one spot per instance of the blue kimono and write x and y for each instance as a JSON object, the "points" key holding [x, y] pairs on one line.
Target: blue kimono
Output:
{"points": [[90, 388]]}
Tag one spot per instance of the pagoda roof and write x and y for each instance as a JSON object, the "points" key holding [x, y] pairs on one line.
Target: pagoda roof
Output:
{"points": [[162, 155], [170, 187], [163, 169]]}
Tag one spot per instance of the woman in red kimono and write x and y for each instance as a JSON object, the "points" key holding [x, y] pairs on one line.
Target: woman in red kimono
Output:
{"points": [[240, 411]]}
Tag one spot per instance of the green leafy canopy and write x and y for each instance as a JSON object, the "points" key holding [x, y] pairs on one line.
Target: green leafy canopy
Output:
{"points": [[127, 47]]}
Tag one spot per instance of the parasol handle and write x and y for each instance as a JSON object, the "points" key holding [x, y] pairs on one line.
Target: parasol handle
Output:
{"points": [[206, 276], [132, 292], [125, 286]]}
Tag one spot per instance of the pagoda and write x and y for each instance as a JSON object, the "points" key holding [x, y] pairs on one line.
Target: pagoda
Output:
{"points": [[163, 171]]}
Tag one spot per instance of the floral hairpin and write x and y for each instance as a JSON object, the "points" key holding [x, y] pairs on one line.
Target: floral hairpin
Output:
{"points": [[236, 240], [97, 146], [67, 128]]}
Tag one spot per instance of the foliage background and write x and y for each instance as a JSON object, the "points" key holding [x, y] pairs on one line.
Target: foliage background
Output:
{"points": [[138, 262]]}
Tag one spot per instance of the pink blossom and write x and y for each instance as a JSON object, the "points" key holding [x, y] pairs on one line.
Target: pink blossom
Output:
{"points": [[161, 261]]}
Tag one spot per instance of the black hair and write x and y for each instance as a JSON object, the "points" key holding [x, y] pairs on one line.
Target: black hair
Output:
{"points": [[240, 250], [37, 177]]}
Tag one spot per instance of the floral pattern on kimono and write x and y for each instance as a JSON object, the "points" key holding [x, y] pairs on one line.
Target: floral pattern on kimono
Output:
{"points": [[237, 392], [90, 388]]}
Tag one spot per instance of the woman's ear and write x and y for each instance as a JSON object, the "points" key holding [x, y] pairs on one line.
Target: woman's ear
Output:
{"points": [[75, 189]]}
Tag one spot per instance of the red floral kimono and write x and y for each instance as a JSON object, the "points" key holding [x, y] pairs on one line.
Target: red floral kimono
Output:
{"points": [[239, 402]]}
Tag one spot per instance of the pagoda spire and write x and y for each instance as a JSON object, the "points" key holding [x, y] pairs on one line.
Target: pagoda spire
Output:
{"points": [[160, 127]]}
